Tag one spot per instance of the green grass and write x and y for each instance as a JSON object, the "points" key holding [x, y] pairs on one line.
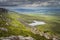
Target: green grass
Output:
{"points": [[15, 27], [52, 22]]}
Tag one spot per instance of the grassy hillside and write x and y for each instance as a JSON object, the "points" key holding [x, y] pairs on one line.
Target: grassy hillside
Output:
{"points": [[52, 25], [10, 25]]}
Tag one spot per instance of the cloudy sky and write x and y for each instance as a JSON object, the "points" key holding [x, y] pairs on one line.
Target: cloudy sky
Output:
{"points": [[30, 3]]}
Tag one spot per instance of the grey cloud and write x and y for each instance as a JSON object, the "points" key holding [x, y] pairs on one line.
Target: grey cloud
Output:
{"points": [[31, 3]]}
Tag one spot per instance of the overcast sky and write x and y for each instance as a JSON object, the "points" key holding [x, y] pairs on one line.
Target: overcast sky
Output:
{"points": [[30, 3]]}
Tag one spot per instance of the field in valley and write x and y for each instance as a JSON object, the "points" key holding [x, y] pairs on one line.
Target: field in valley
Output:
{"points": [[52, 22]]}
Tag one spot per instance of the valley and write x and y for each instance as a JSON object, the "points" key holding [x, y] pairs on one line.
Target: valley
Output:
{"points": [[17, 24]]}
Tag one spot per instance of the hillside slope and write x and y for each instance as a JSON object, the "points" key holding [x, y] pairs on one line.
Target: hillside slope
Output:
{"points": [[10, 25]]}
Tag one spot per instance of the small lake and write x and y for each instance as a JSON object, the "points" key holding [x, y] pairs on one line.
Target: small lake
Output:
{"points": [[35, 23]]}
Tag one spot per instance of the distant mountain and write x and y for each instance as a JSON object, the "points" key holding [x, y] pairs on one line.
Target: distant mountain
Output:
{"points": [[37, 10]]}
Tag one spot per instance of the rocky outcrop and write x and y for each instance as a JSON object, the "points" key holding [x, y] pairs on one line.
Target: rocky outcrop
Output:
{"points": [[45, 34], [16, 38], [3, 29], [3, 10]]}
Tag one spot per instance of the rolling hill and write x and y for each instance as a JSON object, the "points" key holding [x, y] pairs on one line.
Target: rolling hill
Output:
{"points": [[10, 25]]}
